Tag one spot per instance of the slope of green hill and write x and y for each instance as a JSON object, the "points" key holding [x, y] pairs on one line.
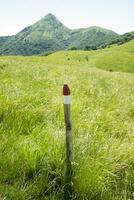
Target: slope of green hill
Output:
{"points": [[118, 58], [32, 132], [93, 36], [121, 39], [3, 39]]}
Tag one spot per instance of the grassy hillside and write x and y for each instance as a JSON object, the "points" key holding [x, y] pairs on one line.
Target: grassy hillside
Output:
{"points": [[121, 39], [32, 142], [92, 36], [117, 58]]}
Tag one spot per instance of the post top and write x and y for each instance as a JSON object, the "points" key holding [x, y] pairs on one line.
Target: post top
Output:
{"points": [[66, 90]]}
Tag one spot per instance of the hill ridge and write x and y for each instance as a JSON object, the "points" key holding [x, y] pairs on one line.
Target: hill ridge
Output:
{"points": [[49, 34]]}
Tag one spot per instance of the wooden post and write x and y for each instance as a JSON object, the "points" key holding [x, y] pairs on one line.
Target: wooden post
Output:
{"points": [[69, 142]]}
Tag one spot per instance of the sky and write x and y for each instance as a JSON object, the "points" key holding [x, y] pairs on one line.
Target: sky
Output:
{"points": [[116, 15]]}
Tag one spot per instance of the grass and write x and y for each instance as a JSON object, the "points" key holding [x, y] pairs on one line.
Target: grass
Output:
{"points": [[32, 142]]}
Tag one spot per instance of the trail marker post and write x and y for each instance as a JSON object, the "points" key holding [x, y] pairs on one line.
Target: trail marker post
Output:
{"points": [[69, 142]]}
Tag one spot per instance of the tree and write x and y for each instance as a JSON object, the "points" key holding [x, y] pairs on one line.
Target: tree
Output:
{"points": [[90, 47], [73, 48]]}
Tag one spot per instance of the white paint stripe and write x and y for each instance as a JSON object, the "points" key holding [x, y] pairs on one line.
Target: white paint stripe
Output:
{"points": [[67, 99]]}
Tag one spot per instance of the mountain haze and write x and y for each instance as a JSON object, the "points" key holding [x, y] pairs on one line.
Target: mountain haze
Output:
{"points": [[49, 34]]}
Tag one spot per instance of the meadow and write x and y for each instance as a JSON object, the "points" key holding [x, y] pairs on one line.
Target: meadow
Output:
{"points": [[32, 132]]}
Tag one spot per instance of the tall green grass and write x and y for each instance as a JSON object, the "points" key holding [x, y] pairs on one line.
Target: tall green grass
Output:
{"points": [[32, 142]]}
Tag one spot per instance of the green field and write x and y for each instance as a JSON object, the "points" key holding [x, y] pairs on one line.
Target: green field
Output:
{"points": [[32, 142]]}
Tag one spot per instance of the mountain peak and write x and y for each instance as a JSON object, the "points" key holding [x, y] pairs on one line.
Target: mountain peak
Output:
{"points": [[47, 22], [50, 16]]}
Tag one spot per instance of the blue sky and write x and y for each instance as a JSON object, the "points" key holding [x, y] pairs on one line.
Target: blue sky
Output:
{"points": [[117, 15]]}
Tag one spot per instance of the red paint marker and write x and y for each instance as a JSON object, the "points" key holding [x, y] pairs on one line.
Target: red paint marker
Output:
{"points": [[66, 93]]}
